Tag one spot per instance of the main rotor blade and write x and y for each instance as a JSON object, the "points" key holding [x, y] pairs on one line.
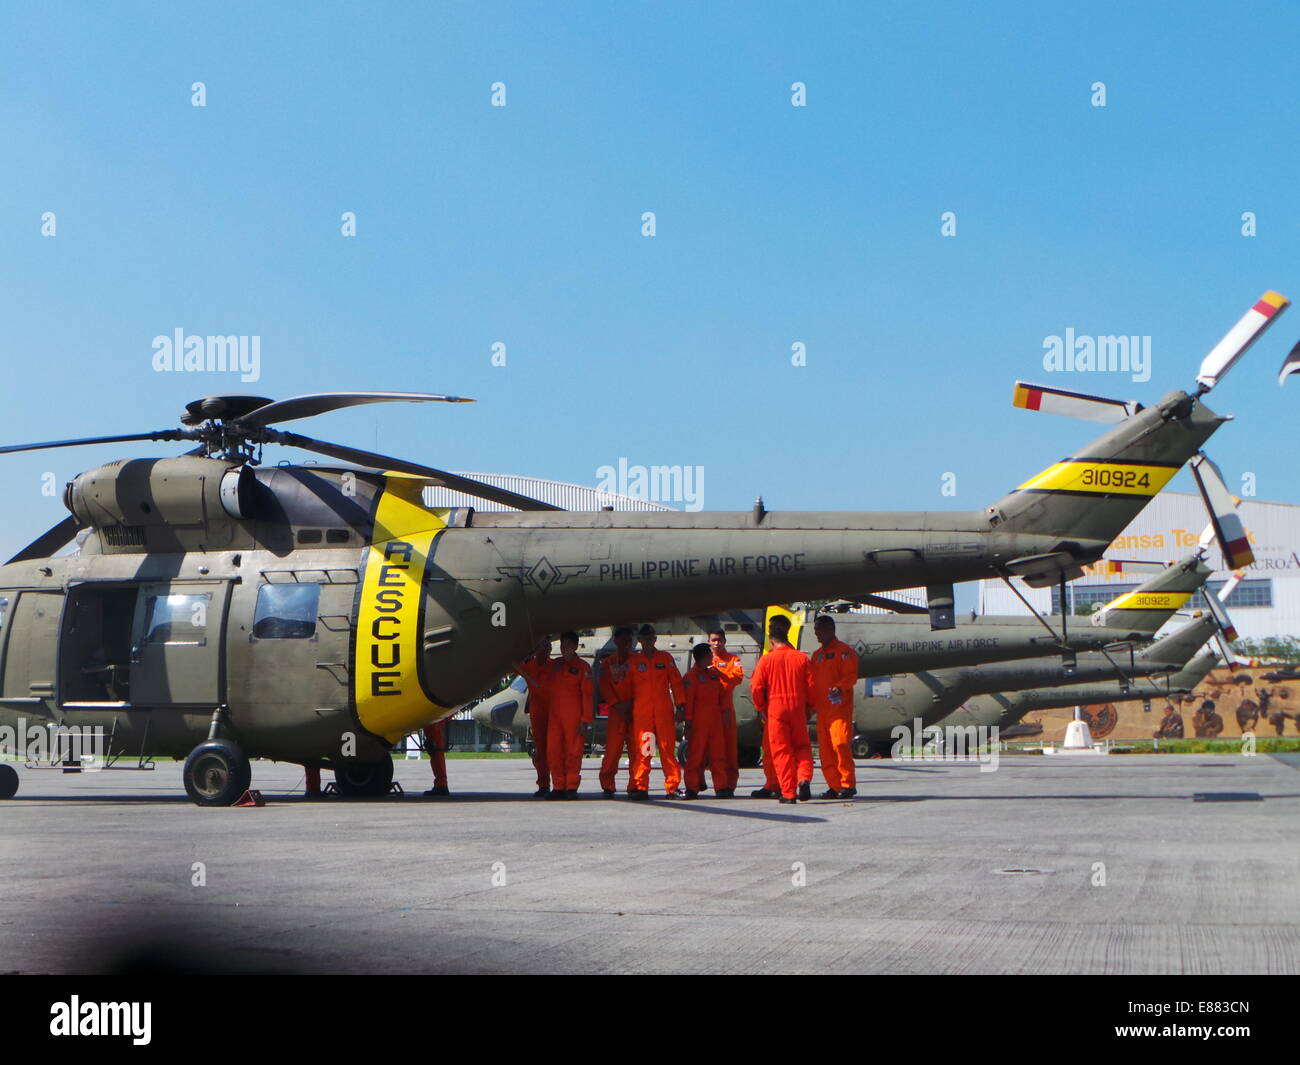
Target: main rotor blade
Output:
{"points": [[898, 606], [160, 434], [49, 541], [454, 481], [1268, 308], [287, 410]]}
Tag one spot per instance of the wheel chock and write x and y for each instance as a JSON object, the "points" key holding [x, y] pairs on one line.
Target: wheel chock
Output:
{"points": [[395, 788], [252, 797]]}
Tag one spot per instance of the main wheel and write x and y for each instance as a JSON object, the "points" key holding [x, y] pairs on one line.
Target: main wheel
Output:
{"points": [[8, 781], [217, 773], [861, 748], [363, 779]]}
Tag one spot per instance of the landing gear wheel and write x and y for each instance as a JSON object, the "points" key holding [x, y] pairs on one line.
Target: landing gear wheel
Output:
{"points": [[861, 748], [8, 781], [361, 780], [217, 773]]}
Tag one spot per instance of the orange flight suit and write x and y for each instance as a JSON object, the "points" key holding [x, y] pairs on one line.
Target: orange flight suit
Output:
{"points": [[568, 693], [436, 744], [732, 671], [782, 687], [656, 692], [615, 687], [536, 674], [706, 710], [835, 666]]}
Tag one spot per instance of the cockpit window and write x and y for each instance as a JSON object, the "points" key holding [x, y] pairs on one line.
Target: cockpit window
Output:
{"points": [[519, 684], [286, 611]]}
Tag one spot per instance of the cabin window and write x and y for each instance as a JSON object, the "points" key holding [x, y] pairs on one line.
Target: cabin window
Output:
{"points": [[337, 536], [309, 536], [176, 619], [286, 611]]}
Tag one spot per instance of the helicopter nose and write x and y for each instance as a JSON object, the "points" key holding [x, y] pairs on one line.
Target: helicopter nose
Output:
{"points": [[502, 715]]}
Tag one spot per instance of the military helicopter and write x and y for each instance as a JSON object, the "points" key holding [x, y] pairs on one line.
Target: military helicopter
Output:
{"points": [[1006, 709], [219, 609]]}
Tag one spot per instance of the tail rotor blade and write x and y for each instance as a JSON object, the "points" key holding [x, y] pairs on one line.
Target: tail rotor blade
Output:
{"points": [[1268, 308], [1220, 614], [1072, 404], [1228, 529], [1290, 365], [1230, 586], [1112, 566]]}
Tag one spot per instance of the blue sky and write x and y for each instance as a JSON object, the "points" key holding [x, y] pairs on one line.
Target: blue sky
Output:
{"points": [[522, 225]]}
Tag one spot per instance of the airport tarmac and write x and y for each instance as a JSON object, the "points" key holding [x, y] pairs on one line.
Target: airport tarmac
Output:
{"points": [[1060, 865]]}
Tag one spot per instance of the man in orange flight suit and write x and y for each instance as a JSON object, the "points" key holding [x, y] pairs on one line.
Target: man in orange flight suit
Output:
{"points": [[568, 697], [732, 672], [782, 690], [616, 695], [535, 669], [706, 707], [435, 742], [656, 702], [835, 672]]}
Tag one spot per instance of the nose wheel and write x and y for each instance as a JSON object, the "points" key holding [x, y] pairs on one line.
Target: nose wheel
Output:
{"points": [[8, 781], [217, 773]]}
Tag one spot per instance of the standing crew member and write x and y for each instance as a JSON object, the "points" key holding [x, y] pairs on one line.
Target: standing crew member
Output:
{"points": [[732, 672], [706, 707], [435, 742], [782, 690], [656, 704], [568, 695], [616, 694], [835, 671], [535, 669]]}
